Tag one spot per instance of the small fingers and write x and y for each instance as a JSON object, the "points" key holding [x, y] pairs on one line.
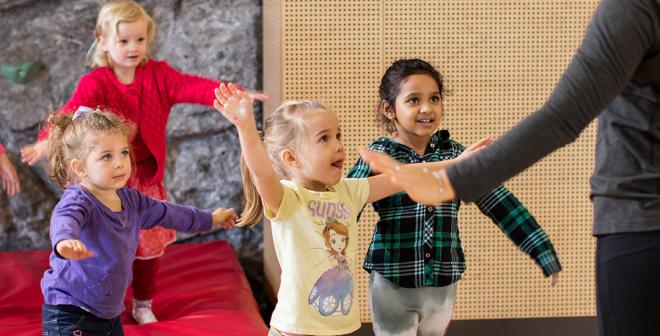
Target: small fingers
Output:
{"points": [[219, 96], [81, 250], [27, 154], [218, 106], [14, 188], [260, 96], [224, 91], [232, 89], [228, 224]]}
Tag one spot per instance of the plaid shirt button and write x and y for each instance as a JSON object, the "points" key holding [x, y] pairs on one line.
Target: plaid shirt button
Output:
{"points": [[430, 209]]}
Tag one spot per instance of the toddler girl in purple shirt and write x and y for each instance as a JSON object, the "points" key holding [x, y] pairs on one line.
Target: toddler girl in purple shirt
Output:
{"points": [[95, 226]]}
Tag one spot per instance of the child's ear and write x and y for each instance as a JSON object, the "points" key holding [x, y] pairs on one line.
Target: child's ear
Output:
{"points": [[78, 168], [103, 43], [289, 158], [388, 110]]}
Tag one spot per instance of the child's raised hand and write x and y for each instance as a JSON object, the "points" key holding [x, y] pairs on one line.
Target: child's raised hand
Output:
{"points": [[476, 147], [235, 105], [73, 249], [34, 153], [254, 95], [225, 218], [260, 96]]}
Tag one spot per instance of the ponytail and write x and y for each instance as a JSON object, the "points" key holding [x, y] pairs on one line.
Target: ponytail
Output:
{"points": [[253, 206], [282, 129], [58, 162]]}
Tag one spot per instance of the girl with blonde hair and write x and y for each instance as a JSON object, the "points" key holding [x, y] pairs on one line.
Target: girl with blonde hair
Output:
{"points": [[295, 177], [96, 225], [142, 90]]}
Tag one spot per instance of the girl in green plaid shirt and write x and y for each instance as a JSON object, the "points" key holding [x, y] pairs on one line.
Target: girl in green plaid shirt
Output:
{"points": [[415, 257]]}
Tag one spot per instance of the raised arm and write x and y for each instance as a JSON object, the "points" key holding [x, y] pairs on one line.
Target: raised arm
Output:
{"points": [[620, 35], [186, 88], [67, 221], [515, 221], [420, 181], [236, 106], [183, 218]]}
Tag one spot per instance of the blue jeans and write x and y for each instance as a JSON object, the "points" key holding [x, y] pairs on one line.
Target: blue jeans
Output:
{"points": [[59, 320]]}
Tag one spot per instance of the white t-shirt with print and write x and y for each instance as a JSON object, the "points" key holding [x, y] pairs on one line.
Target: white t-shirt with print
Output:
{"points": [[315, 238]]}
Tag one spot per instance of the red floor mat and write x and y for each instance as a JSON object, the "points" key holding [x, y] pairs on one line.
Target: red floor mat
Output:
{"points": [[202, 291]]}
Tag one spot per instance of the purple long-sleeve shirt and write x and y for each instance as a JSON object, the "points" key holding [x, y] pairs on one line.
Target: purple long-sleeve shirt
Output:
{"points": [[98, 284]]}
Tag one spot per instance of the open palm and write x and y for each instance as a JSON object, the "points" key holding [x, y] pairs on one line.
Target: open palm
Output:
{"points": [[235, 105], [421, 184]]}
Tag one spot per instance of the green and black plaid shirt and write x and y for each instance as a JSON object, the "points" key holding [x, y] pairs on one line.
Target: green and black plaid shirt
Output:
{"points": [[414, 245]]}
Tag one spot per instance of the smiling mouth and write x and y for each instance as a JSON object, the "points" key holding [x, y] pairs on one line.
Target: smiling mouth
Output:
{"points": [[426, 121]]}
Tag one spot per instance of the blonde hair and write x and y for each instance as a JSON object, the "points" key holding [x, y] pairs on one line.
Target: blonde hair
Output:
{"points": [[282, 130], [71, 139], [110, 16]]}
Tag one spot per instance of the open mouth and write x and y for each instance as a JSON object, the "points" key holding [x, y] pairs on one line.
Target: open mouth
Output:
{"points": [[338, 164], [426, 121]]}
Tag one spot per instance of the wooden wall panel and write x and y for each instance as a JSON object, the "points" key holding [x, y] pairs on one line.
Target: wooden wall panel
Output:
{"points": [[500, 60]]}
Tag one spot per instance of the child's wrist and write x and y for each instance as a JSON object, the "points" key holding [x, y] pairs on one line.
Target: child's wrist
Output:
{"points": [[435, 172], [249, 133]]}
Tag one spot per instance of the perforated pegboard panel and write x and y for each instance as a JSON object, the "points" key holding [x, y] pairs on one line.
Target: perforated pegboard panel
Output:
{"points": [[500, 60]]}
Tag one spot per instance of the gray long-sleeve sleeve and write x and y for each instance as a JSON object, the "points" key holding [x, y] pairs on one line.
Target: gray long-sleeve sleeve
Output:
{"points": [[615, 53]]}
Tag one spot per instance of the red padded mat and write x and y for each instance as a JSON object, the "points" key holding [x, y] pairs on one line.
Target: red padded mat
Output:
{"points": [[202, 290]]}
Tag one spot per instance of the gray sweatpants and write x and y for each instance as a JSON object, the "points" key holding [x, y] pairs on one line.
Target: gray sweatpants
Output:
{"points": [[409, 311]]}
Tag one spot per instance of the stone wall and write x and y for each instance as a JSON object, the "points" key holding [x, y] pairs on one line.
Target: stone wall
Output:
{"points": [[219, 39]]}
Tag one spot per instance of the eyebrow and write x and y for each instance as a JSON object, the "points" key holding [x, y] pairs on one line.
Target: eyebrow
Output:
{"points": [[323, 131], [415, 93], [110, 150], [327, 130]]}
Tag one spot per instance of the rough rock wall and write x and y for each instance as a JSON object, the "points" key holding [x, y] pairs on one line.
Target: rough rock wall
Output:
{"points": [[214, 38]]}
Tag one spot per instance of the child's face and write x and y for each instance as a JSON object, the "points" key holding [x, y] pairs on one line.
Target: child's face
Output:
{"points": [[418, 108], [128, 46], [108, 165], [320, 154]]}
